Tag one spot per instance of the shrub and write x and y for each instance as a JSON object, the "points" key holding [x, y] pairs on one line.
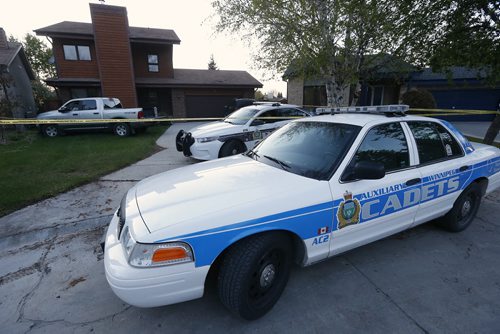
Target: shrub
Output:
{"points": [[419, 99]]}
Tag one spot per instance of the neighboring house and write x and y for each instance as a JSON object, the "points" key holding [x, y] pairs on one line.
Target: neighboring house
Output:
{"points": [[16, 75], [387, 81], [109, 58], [461, 90], [382, 80]]}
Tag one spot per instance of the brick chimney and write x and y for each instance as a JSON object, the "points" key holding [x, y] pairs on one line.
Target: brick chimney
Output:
{"points": [[3, 39], [114, 55]]}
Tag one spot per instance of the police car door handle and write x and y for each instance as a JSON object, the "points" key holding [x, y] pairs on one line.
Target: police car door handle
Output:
{"points": [[413, 181], [463, 168]]}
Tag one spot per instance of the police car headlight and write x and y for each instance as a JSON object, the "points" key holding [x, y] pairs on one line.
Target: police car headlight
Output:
{"points": [[155, 255], [206, 139]]}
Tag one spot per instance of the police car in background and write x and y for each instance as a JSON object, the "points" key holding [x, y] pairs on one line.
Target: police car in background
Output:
{"points": [[313, 189], [238, 132]]}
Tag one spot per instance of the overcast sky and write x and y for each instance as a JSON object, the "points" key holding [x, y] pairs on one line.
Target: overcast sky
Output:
{"points": [[190, 19]]}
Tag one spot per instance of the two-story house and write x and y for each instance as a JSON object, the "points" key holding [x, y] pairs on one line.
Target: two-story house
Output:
{"points": [[110, 58]]}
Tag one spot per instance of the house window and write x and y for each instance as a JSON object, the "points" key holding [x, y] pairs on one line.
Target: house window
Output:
{"points": [[153, 63], [77, 52], [376, 95], [314, 96]]}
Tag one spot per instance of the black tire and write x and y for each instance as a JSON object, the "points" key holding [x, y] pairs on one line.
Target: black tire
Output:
{"points": [[51, 130], [254, 273], [121, 129], [232, 147], [464, 209]]}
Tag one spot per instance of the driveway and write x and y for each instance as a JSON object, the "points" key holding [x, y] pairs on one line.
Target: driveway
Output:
{"points": [[422, 280]]}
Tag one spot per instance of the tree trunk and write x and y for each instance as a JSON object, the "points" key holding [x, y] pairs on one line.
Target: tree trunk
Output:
{"points": [[492, 132], [356, 94], [334, 94]]}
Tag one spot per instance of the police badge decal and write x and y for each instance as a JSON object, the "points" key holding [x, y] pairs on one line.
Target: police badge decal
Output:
{"points": [[348, 212]]}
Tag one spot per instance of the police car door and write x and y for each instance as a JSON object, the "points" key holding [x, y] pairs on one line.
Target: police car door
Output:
{"points": [[443, 167], [367, 210], [262, 126]]}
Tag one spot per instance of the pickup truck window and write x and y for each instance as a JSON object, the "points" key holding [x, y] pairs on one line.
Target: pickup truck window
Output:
{"points": [[387, 144], [88, 105], [434, 142]]}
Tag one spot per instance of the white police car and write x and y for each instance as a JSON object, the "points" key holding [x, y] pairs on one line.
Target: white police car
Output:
{"points": [[238, 132], [313, 189]]}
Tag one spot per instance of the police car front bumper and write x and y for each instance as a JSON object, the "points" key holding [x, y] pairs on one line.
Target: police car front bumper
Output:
{"points": [[149, 287]]}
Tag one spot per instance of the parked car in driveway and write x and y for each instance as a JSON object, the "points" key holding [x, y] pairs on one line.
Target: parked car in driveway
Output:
{"points": [[92, 108], [238, 132], [313, 189]]}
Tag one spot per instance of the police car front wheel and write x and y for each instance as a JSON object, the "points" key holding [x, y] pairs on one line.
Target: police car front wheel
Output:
{"points": [[232, 147], [254, 273], [464, 209]]}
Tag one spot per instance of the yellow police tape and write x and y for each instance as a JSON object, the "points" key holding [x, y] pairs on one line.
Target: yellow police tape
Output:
{"points": [[31, 121]]}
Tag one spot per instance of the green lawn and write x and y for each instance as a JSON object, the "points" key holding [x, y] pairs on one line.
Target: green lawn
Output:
{"points": [[33, 167]]}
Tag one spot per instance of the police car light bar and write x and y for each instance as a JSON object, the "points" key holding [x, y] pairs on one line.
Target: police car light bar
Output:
{"points": [[389, 109]]}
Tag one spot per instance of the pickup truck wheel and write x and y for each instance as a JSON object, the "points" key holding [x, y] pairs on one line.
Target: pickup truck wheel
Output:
{"points": [[464, 210], [232, 147], [51, 130], [254, 273], [121, 129]]}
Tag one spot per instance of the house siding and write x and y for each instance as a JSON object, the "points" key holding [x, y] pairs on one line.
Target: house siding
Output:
{"points": [[75, 68], [111, 36], [21, 90], [140, 52], [295, 91]]}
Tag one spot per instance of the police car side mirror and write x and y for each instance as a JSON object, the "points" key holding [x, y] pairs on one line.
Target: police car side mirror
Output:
{"points": [[63, 109], [367, 170]]}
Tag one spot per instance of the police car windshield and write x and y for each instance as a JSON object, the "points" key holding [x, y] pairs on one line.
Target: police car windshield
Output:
{"points": [[241, 116], [310, 149]]}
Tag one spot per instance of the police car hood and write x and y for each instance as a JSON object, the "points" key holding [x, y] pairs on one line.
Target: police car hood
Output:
{"points": [[214, 129], [191, 198]]}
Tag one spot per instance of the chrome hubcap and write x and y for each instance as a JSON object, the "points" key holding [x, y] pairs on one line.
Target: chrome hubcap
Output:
{"points": [[267, 276], [466, 208], [51, 131], [121, 130]]}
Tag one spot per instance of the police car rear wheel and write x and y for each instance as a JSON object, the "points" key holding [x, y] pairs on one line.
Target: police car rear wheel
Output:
{"points": [[232, 147], [464, 210], [254, 273]]}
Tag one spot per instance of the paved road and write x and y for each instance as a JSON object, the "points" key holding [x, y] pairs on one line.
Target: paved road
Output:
{"points": [[422, 280]]}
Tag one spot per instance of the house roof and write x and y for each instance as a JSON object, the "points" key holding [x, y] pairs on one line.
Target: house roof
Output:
{"points": [[195, 78], [7, 56], [69, 28], [455, 73]]}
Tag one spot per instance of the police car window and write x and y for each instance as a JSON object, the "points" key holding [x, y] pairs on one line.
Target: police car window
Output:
{"points": [[310, 149], [291, 112], [433, 144], [241, 116], [267, 116], [387, 144]]}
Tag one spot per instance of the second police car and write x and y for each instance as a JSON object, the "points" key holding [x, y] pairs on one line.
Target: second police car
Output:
{"points": [[238, 132], [313, 189]]}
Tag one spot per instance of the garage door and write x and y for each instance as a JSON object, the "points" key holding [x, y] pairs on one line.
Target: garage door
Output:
{"points": [[208, 106], [479, 99]]}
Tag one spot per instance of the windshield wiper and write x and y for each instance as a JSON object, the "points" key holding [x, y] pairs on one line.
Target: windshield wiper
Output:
{"points": [[227, 121], [252, 154], [283, 165]]}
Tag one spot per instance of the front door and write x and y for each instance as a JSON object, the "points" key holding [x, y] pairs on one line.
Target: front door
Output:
{"points": [[367, 210]]}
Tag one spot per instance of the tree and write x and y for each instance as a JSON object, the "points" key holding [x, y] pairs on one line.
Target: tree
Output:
{"points": [[327, 38], [446, 33], [259, 96], [39, 56], [211, 63]]}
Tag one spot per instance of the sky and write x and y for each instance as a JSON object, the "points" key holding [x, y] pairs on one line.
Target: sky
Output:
{"points": [[192, 20]]}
